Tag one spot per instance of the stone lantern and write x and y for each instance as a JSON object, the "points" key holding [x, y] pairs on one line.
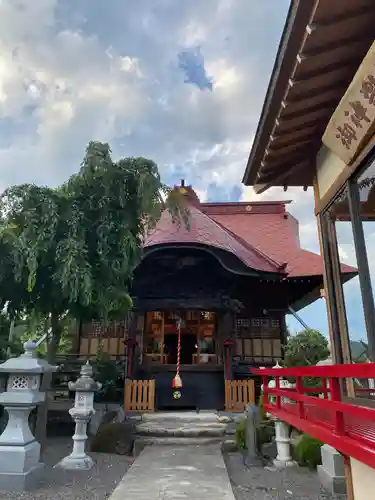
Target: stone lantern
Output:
{"points": [[282, 433], [82, 411], [19, 451]]}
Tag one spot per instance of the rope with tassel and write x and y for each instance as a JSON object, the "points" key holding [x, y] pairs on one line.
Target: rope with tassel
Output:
{"points": [[177, 382]]}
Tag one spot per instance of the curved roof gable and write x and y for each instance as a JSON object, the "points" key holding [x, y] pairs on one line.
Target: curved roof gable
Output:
{"points": [[206, 231]]}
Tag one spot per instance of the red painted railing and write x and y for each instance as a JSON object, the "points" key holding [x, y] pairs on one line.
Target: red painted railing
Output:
{"points": [[321, 411]]}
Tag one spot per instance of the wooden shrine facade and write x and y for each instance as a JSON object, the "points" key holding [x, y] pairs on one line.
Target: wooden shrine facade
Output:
{"points": [[218, 308], [231, 277], [256, 341]]}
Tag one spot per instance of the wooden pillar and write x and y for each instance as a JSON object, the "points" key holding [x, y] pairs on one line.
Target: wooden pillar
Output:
{"points": [[227, 343], [283, 331], [335, 300], [333, 292], [228, 346]]}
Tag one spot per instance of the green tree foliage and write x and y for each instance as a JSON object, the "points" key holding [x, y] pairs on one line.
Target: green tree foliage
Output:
{"points": [[4, 335], [307, 347], [74, 248], [10, 336]]}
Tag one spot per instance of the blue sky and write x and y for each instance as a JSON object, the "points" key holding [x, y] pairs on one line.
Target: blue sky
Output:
{"points": [[181, 82]]}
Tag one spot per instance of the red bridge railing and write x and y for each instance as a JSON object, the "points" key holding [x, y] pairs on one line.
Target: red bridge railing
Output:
{"points": [[322, 411]]}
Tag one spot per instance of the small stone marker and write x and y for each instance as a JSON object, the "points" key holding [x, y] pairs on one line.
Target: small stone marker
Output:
{"points": [[252, 457]]}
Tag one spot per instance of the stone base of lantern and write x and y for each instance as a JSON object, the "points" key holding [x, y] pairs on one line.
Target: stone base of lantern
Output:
{"points": [[20, 467], [281, 464], [284, 458], [332, 471], [76, 463]]}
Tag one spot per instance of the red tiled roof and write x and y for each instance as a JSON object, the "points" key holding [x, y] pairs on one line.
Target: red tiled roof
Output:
{"points": [[276, 234], [204, 230], [261, 234]]}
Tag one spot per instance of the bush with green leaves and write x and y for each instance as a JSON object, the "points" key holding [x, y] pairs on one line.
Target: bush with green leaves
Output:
{"points": [[264, 433], [307, 451], [114, 438], [262, 413], [241, 434]]}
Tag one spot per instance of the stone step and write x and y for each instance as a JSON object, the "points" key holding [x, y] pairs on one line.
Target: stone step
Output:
{"points": [[181, 431], [142, 441], [191, 416]]}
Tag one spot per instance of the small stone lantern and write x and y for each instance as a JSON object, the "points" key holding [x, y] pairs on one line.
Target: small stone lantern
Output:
{"points": [[282, 432], [19, 451], [82, 411]]}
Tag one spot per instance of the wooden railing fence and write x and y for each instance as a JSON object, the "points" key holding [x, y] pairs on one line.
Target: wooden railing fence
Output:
{"points": [[238, 394], [139, 395]]}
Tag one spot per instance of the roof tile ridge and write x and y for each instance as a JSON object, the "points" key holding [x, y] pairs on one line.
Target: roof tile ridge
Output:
{"points": [[248, 246]]}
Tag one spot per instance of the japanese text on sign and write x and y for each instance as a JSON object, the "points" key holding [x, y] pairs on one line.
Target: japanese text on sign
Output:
{"points": [[354, 118]]}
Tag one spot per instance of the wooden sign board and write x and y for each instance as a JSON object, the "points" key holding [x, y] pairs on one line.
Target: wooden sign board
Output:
{"points": [[353, 121]]}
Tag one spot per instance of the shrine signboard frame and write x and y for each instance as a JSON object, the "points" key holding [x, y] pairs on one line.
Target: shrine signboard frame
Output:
{"points": [[353, 122]]}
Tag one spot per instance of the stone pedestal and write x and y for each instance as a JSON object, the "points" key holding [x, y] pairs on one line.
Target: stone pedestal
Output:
{"points": [[78, 459], [332, 471], [19, 452], [20, 464], [284, 457]]}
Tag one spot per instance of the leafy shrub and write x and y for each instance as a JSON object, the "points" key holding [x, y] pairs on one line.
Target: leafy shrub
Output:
{"points": [[265, 433], [307, 451], [262, 414], [116, 438], [241, 434]]}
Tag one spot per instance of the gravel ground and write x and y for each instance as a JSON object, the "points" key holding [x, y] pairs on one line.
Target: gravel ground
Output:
{"points": [[96, 484], [270, 484]]}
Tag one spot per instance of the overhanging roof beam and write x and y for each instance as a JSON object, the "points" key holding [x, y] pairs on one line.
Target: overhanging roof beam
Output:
{"points": [[348, 14], [280, 173], [309, 94], [329, 68], [359, 38], [310, 124], [291, 148], [331, 103], [285, 139]]}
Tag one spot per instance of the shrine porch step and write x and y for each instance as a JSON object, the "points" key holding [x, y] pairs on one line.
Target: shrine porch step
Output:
{"points": [[142, 441], [188, 425]]}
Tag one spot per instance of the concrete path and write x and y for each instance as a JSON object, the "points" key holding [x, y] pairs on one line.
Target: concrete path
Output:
{"points": [[167, 472]]}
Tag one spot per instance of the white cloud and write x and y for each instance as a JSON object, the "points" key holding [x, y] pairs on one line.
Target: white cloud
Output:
{"points": [[71, 72]]}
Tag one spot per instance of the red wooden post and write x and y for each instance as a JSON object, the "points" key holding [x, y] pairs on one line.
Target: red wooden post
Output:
{"points": [[265, 391], [299, 389], [335, 389], [130, 344], [325, 387], [278, 397], [228, 358]]}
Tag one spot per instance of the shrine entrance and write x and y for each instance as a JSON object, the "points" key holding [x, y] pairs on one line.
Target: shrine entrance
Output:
{"points": [[189, 348], [198, 344]]}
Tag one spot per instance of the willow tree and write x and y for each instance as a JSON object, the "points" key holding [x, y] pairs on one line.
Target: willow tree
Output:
{"points": [[74, 248]]}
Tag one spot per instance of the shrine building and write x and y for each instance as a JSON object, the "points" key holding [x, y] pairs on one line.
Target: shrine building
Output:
{"points": [[232, 277]]}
